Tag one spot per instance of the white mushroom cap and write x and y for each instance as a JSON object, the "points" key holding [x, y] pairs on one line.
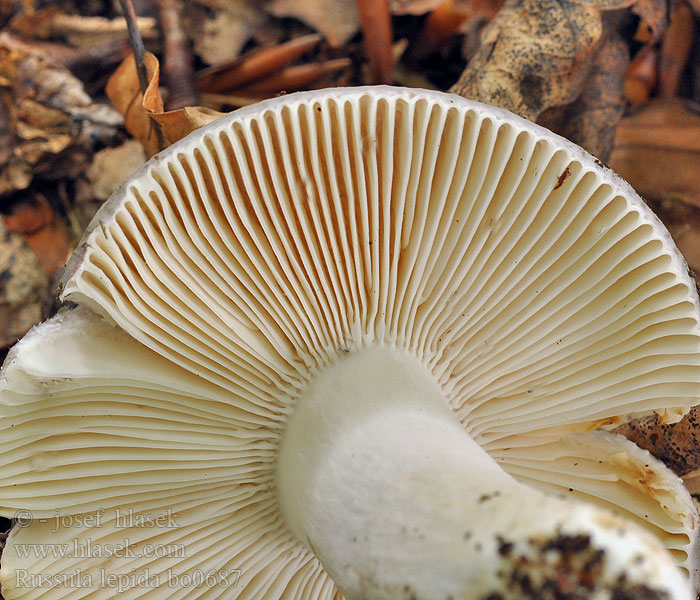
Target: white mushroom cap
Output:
{"points": [[484, 279]]}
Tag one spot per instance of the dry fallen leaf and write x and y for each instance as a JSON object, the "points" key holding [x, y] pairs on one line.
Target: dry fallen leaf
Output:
{"points": [[124, 92], [176, 124], [337, 20], [141, 110], [111, 167], [293, 78], [219, 35]]}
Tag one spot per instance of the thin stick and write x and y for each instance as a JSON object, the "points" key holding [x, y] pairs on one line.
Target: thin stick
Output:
{"points": [[139, 52], [136, 43]]}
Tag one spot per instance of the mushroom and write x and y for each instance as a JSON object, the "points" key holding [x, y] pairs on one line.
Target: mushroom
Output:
{"points": [[360, 341]]}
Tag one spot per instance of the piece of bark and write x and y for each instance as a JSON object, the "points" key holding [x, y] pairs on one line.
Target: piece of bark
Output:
{"points": [[677, 444], [591, 120], [534, 55]]}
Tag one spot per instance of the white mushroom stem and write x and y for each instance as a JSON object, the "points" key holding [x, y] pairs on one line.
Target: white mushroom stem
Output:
{"points": [[377, 475]]}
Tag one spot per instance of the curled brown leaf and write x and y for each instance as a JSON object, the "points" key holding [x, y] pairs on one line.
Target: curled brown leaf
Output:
{"points": [[144, 112]]}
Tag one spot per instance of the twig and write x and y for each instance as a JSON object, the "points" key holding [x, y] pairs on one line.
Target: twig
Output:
{"points": [[255, 65], [223, 100], [177, 63], [292, 78], [139, 52], [136, 43]]}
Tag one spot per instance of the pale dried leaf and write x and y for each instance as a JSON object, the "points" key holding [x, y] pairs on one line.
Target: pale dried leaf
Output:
{"points": [[86, 31], [110, 167], [219, 36], [337, 20]]}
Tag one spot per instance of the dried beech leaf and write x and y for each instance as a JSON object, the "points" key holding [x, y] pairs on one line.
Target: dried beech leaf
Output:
{"points": [[534, 55], [219, 35], [111, 167], [337, 20], [293, 78], [176, 124], [141, 112], [124, 92], [29, 215]]}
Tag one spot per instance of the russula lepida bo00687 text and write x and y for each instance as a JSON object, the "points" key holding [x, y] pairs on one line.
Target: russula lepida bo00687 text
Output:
{"points": [[363, 341]]}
